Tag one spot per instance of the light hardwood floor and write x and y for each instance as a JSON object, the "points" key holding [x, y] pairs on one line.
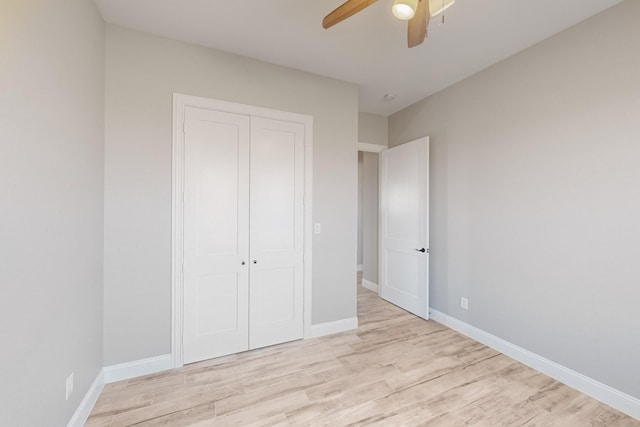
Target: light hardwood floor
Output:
{"points": [[395, 370]]}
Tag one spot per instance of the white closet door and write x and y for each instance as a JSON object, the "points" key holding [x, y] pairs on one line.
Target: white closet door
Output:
{"points": [[276, 224], [216, 235]]}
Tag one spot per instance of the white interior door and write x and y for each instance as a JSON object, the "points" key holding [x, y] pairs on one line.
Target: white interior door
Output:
{"points": [[216, 234], [277, 239], [404, 226]]}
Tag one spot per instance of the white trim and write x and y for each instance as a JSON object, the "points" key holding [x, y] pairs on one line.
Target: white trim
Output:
{"points": [[89, 400], [602, 392], [137, 368], [360, 267], [180, 102], [370, 285], [334, 327], [371, 148], [308, 221], [177, 231]]}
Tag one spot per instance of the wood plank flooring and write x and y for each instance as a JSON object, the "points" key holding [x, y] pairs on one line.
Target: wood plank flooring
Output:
{"points": [[395, 370]]}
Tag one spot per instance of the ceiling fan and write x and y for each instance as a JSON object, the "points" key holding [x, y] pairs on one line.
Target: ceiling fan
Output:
{"points": [[417, 12]]}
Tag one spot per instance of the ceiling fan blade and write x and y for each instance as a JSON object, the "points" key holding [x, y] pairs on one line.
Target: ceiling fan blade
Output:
{"points": [[417, 31], [347, 9]]}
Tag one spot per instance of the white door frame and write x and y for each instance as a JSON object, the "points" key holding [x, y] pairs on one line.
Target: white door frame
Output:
{"points": [[180, 102], [371, 148]]}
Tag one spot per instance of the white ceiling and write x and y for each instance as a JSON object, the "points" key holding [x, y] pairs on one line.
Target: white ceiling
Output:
{"points": [[368, 49]]}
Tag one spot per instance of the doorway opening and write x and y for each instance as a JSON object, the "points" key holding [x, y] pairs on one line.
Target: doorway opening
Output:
{"points": [[368, 213]]}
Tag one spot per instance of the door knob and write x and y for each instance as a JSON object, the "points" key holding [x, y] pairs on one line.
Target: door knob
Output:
{"points": [[255, 261], [243, 263], [423, 250]]}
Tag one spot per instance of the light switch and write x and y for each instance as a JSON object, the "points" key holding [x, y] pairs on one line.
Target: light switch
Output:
{"points": [[317, 228]]}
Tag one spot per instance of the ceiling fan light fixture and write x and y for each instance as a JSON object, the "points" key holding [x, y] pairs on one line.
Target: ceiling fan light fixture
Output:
{"points": [[436, 7], [404, 9]]}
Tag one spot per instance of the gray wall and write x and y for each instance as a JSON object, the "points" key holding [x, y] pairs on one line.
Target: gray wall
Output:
{"points": [[143, 72], [370, 209], [373, 129], [535, 197], [51, 206]]}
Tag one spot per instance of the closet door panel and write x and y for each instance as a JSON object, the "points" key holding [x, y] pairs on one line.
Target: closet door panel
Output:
{"points": [[276, 227], [216, 235], [277, 286]]}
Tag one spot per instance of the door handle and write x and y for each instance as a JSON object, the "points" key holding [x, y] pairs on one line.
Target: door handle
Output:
{"points": [[423, 250]]}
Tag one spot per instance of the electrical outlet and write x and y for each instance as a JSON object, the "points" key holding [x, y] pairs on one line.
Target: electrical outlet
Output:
{"points": [[464, 303], [69, 386]]}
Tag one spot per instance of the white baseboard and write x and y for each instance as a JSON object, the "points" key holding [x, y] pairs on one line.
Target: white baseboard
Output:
{"points": [[137, 368], [370, 285], [329, 328], [602, 392], [89, 400], [360, 267]]}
